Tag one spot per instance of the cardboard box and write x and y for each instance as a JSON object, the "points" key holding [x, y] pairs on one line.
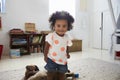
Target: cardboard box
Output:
{"points": [[77, 46], [15, 53]]}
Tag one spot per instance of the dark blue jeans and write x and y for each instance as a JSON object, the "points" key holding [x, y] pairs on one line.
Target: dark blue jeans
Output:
{"points": [[53, 67]]}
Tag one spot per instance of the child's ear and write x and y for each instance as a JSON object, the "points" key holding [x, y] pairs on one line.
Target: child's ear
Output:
{"points": [[36, 68]]}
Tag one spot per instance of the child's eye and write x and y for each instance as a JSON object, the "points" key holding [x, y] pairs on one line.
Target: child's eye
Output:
{"points": [[58, 25], [64, 26]]}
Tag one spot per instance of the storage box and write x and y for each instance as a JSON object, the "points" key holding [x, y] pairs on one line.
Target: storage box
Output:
{"points": [[30, 27], [77, 46], [15, 53]]}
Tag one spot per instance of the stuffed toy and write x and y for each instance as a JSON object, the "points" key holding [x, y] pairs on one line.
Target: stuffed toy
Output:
{"points": [[33, 73], [30, 71], [40, 75]]}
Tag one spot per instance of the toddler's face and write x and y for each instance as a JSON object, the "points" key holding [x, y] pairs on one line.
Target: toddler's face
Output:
{"points": [[61, 26]]}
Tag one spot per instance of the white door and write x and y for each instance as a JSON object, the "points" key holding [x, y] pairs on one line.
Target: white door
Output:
{"points": [[107, 30], [96, 30]]}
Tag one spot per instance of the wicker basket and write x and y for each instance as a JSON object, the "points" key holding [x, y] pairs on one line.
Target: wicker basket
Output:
{"points": [[30, 27], [77, 46]]}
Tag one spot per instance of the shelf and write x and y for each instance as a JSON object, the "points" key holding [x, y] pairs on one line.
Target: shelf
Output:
{"points": [[16, 34], [24, 53], [33, 44], [17, 41], [20, 45]]}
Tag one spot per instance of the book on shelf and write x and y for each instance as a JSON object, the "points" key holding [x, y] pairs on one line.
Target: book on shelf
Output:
{"points": [[40, 40], [38, 49], [23, 50], [35, 49], [31, 49], [18, 41], [37, 39]]}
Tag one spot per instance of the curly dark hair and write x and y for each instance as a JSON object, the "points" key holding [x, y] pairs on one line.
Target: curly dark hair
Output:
{"points": [[61, 15]]}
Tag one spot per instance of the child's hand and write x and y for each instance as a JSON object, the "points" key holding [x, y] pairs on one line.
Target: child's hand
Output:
{"points": [[45, 59], [68, 56]]}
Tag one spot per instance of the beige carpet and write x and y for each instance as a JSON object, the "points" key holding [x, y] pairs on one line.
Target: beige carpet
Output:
{"points": [[94, 69], [88, 69]]}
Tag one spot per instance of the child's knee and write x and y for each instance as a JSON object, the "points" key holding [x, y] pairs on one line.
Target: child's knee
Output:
{"points": [[51, 75], [61, 76]]}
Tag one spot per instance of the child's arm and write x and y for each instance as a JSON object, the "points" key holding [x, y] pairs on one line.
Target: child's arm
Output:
{"points": [[46, 49], [68, 55]]}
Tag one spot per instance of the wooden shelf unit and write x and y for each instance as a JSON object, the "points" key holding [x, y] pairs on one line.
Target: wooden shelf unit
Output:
{"points": [[25, 41]]}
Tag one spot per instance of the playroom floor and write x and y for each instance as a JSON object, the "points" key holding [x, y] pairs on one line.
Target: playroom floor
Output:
{"points": [[37, 58]]}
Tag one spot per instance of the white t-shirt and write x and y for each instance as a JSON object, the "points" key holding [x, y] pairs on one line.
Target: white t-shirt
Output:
{"points": [[58, 45]]}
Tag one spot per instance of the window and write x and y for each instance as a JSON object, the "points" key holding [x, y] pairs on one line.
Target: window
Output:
{"points": [[62, 5], [2, 6]]}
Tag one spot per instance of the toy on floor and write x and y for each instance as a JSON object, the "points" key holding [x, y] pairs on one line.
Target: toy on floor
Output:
{"points": [[33, 73], [69, 75], [30, 71], [40, 75]]}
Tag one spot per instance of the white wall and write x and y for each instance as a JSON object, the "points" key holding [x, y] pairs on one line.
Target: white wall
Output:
{"points": [[20, 11], [90, 5], [81, 25]]}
